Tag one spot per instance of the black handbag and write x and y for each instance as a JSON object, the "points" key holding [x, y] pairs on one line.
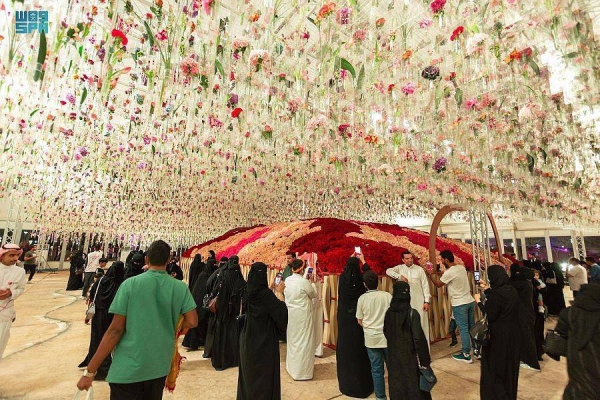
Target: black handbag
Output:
{"points": [[480, 332], [427, 378], [555, 345]]}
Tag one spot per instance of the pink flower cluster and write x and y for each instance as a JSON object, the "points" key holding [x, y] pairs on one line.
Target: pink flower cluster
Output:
{"points": [[189, 66], [409, 88]]}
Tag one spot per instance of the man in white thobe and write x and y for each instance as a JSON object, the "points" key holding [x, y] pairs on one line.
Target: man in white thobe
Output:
{"points": [[299, 294], [12, 284], [416, 278]]}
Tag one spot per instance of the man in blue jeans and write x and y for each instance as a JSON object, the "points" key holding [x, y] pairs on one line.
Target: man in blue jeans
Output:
{"points": [[370, 313], [463, 305]]}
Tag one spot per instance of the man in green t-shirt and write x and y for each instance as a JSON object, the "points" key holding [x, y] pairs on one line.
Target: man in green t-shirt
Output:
{"points": [[146, 309]]}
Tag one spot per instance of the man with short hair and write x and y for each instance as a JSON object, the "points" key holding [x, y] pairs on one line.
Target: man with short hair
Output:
{"points": [[594, 270], [12, 284], [416, 278], [30, 262], [463, 304], [146, 310], [577, 275], [370, 313], [93, 263], [290, 256]]}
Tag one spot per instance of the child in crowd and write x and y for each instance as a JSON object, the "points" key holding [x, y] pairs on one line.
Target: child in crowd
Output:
{"points": [[539, 285]]}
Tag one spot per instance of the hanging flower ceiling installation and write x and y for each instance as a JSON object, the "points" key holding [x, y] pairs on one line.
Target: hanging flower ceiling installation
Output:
{"points": [[189, 118]]}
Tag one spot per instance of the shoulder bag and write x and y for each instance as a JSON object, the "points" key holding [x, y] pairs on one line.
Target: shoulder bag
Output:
{"points": [[552, 280], [91, 310], [427, 378], [213, 301]]}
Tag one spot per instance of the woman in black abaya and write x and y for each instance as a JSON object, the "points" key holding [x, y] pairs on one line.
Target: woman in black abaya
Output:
{"points": [[405, 342], [500, 354], [555, 283], [196, 267], [226, 349], [521, 280], [212, 286], [353, 365], [104, 291], [266, 319], [76, 272], [196, 337]]}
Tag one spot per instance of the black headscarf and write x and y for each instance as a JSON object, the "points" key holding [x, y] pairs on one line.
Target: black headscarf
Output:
{"points": [[196, 268], [211, 266], [497, 276], [401, 299], [109, 284], [258, 286], [212, 255], [352, 278], [231, 281]]}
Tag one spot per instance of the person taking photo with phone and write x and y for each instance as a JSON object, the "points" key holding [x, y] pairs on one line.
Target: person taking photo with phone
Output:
{"points": [[454, 275]]}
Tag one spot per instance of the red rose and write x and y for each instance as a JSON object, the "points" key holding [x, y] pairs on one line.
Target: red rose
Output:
{"points": [[236, 112], [119, 34], [456, 33]]}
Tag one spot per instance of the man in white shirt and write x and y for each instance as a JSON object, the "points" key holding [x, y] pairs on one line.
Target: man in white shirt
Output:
{"points": [[370, 313], [12, 284], [93, 263], [416, 278], [463, 304], [577, 275]]}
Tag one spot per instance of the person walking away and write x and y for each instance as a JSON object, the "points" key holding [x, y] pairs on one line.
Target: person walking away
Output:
{"points": [[580, 326], [266, 317], [212, 287], [370, 313], [500, 354], [353, 365], [407, 346], [76, 272], [299, 293], [577, 276], [102, 293], [416, 277], [196, 337], [520, 278], [226, 350], [196, 267], [12, 284], [93, 263], [30, 262], [463, 305], [153, 299], [555, 283]]}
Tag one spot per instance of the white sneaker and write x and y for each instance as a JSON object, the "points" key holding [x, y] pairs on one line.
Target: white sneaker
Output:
{"points": [[527, 366]]}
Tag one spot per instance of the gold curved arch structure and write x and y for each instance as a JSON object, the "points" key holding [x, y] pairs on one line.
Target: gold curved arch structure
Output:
{"points": [[437, 220]]}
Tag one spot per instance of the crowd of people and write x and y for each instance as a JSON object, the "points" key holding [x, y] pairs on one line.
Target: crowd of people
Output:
{"points": [[240, 323]]}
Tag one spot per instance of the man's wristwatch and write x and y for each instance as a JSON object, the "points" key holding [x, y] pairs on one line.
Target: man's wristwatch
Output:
{"points": [[89, 374]]}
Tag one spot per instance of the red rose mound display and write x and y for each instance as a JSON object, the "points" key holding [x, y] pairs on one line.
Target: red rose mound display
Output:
{"points": [[333, 240]]}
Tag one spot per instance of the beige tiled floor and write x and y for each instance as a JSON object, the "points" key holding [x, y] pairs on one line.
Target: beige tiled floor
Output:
{"points": [[49, 339]]}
